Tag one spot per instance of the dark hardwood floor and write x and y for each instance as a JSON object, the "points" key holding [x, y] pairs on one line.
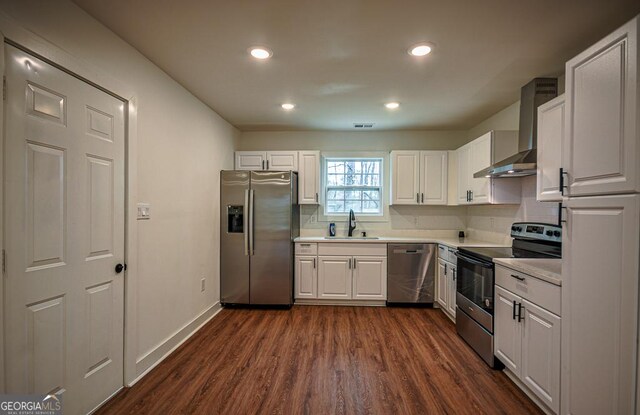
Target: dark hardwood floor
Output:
{"points": [[324, 360]]}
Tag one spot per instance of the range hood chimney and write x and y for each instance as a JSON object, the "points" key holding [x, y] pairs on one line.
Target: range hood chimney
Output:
{"points": [[532, 95]]}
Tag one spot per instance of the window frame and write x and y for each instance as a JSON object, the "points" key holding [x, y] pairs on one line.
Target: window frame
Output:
{"points": [[383, 216]]}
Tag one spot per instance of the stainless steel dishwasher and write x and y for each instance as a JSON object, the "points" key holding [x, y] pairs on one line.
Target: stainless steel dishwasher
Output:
{"points": [[411, 272]]}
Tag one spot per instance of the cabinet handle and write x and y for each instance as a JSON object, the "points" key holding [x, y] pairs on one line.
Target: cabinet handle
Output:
{"points": [[514, 309], [417, 197], [314, 263], [262, 164], [561, 185], [455, 271], [267, 164], [316, 197], [422, 197], [470, 195], [520, 318], [560, 213], [349, 263], [355, 261], [517, 277], [445, 269]]}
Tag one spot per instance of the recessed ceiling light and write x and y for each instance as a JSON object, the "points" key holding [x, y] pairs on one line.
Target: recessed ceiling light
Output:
{"points": [[392, 105], [260, 52], [288, 106], [421, 49]]}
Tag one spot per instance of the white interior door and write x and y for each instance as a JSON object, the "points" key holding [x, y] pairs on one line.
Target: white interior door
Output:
{"points": [[64, 235]]}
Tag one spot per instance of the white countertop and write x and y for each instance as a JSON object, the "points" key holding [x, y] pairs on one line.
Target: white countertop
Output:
{"points": [[452, 242], [546, 269]]}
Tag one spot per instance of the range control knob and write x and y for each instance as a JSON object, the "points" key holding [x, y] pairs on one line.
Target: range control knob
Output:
{"points": [[519, 229], [513, 228], [549, 233], [557, 234]]}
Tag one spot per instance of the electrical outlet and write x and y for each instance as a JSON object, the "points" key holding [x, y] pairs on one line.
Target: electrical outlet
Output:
{"points": [[313, 218], [202, 285]]}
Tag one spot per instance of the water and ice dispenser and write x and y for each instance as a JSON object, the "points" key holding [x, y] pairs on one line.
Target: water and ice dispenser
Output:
{"points": [[235, 219]]}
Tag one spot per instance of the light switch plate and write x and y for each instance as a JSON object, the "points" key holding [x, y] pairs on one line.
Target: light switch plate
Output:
{"points": [[144, 211]]}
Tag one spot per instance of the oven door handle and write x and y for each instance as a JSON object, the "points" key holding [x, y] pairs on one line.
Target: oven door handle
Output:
{"points": [[473, 261]]}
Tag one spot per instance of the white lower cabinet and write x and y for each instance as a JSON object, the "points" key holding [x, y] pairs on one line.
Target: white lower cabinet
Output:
{"points": [[446, 282], [527, 339], [306, 277], [334, 277], [341, 271], [369, 278]]}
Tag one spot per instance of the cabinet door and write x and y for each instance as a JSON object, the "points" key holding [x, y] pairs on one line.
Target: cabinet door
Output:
{"points": [[507, 336], [306, 277], [541, 354], [463, 174], [405, 177], [369, 278], [551, 123], [441, 295], [282, 160], [480, 158], [433, 177], [602, 152], [250, 160], [309, 177], [451, 289], [600, 245], [334, 277]]}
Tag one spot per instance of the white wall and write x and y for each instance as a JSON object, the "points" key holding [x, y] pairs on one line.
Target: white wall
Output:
{"points": [[182, 145]]}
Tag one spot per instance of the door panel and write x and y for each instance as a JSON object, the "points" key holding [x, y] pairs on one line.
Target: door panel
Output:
{"points": [[306, 282], [602, 150], [334, 277], [282, 160], [451, 289], [405, 177], [64, 191], [369, 278], [464, 184], [507, 331], [234, 254], [541, 354], [272, 256], [443, 284], [250, 160], [551, 125], [433, 177], [480, 158], [600, 304], [309, 177]]}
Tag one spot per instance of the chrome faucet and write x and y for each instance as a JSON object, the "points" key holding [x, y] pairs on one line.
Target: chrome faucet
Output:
{"points": [[352, 222]]}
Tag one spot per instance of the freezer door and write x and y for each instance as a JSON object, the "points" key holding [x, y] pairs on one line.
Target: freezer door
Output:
{"points": [[270, 241], [234, 252]]}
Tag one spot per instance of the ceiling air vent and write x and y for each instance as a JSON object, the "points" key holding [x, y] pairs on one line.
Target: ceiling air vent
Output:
{"points": [[363, 125]]}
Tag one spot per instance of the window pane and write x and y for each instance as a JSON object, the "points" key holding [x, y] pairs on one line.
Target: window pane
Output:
{"points": [[353, 184], [335, 194]]}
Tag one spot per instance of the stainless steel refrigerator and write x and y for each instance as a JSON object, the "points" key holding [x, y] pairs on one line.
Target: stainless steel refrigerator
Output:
{"points": [[259, 219]]}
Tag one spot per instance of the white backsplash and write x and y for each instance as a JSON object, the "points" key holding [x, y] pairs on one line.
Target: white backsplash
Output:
{"points": [[490, 223]]}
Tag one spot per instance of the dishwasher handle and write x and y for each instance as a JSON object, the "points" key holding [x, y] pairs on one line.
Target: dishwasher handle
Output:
{"points": [[408, 251]]}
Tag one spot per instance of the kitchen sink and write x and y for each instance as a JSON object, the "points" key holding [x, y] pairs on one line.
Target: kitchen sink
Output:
{"points": [[351, 237]]}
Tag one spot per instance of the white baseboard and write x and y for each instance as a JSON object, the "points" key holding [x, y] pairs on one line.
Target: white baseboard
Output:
{"points": [[152, 358], [316, 301]]}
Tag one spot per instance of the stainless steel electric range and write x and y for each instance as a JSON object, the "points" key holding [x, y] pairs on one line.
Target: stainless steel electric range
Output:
{"points": [[476, 281]]}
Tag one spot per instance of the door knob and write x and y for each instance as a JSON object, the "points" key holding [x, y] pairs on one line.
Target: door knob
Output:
{"points": [[120, 268]]}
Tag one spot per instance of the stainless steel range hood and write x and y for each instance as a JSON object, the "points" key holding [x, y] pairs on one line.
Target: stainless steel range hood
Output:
{"points": [[532, 95]]}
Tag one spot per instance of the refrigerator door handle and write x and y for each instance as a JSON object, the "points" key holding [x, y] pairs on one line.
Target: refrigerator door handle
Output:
{"points": [[246, 222], [251, 221]]}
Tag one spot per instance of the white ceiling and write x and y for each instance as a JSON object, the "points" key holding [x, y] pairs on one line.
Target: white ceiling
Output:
{"points": [[340, 60]]}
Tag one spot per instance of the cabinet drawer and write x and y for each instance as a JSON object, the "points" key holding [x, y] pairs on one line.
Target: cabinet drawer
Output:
{"points": [[443, 252], [352, 249], [306, 248], [539, 292]]}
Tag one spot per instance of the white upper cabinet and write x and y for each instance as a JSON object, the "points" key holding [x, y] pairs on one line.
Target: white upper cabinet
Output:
{"points": [[480, 154], [251, 160], [282, 160], [551, 124], [419, 177], [267, 160], [433, 177], [602, 150], [309, 177], [405, 177]]}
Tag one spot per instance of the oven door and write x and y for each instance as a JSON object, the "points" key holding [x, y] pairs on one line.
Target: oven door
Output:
{"points": [[475, 282]]}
